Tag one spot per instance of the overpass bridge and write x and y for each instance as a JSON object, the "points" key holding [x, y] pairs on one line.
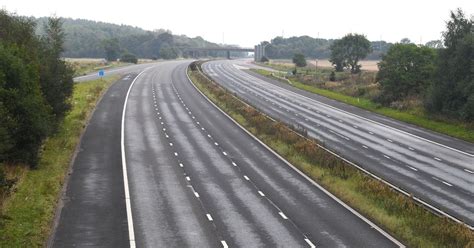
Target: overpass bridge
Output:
{"points": [[258, 50], [194, 52]]}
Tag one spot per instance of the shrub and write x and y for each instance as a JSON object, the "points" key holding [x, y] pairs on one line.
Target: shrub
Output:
{"points": [[129, 58]]}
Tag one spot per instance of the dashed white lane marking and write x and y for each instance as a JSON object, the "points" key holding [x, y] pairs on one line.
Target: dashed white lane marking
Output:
{"points": [[469, 171], [283, 215], [234, 164], [209, 217], [310, 243], [389, 140], [225, 153], [386, 156], [196, 194], [162, 123], [209, 135], [436, 158], [181, 165], [413, 168], [188, 179], [215, 143], [247, 178], [224, 244], [164, 129], [371, 133], [261, 193], [444, 182], [411, 148], [366, 147], [202, 128], [197, 122], [166, 135], [175, 154], [171, 144]]}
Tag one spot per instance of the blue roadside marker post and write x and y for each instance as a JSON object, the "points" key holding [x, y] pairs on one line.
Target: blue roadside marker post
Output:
{"points": [[101, 73]]}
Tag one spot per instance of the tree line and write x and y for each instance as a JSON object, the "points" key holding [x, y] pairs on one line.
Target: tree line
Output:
{"points": [[35, 85], [91, 39]]}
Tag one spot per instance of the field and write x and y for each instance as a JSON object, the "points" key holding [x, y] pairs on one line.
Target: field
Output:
{"points": [[368, 65]]}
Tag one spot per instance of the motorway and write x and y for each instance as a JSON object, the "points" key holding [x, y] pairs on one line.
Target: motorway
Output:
{"points": [[435, 168], [193, 178]]}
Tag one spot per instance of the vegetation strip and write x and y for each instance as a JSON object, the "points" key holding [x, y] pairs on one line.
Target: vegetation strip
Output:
{"points": [[454, 130], [29, 209], [395, 212]]}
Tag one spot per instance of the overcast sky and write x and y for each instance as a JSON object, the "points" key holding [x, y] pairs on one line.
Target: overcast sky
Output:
{"points": [[247, 22]]}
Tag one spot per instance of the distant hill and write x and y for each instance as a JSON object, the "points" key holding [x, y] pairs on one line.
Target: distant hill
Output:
{"points": [[85, 38]]}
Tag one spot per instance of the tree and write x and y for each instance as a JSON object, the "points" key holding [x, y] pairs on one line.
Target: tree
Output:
{"points": [[406, 70], [168, 52], [338, 55], [56, 77], [112, 49], [299, 60], [129, 58], [405, 41], [348, 51], [437, 44], [452, 93]]}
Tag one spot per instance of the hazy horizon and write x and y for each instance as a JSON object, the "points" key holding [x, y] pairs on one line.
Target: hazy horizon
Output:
{"points": [[240, 24]]}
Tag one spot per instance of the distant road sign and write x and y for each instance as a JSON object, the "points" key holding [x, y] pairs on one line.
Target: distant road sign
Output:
{"points": [[101, 73]]}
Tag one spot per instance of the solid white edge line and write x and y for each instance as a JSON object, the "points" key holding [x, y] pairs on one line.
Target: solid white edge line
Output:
{"points": [[380, 230], [128, 205]]}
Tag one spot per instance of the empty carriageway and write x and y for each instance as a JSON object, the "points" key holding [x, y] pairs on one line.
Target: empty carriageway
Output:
{"points": [[437, 173], [198, 180]]}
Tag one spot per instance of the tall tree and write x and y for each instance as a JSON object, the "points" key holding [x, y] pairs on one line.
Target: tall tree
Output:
{"points": [[112, 49], [55, 75], [406, 70], [452, 92], [349, 51]]}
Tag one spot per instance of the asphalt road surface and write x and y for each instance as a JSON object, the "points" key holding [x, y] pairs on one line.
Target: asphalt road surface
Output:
{"points": [[436, 168], [195, 179]]}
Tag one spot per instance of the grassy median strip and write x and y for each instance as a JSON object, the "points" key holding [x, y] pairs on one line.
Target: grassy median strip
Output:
{"points": [[420, 119], [28, 211], [399, 215]]}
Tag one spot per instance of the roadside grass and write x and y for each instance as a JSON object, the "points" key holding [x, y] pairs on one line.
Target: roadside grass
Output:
{"points": [[455, 129], [85, 66], [397, 214], [29, 206]]}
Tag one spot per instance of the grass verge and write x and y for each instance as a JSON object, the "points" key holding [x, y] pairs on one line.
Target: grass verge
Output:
{"points": [[399, 215], [456, 130], [28, 211]]}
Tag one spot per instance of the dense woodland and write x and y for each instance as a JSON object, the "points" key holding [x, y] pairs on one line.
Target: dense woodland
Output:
{"points": [[90, 39]]}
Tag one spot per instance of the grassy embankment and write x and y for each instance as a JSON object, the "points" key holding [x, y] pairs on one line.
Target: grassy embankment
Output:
{"points": [[412, 115], [396, 213], [28, 206], [86, 66]]}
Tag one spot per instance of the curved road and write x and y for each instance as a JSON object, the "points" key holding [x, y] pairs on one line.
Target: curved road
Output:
{"points": [[436, 168], [195, 180]]}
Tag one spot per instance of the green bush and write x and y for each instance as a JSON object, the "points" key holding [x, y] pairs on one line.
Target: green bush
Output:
{"points": [[129, 58]]}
